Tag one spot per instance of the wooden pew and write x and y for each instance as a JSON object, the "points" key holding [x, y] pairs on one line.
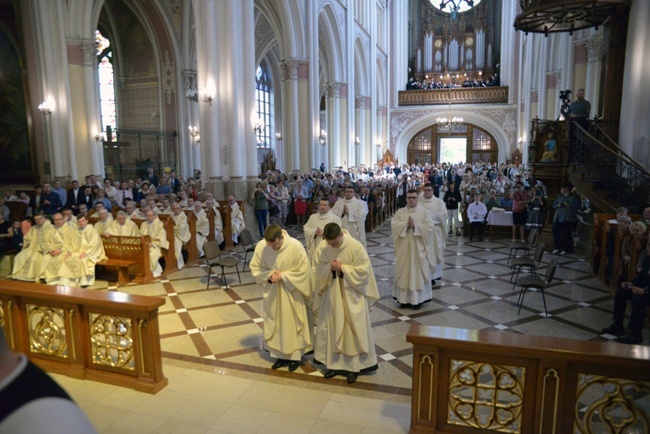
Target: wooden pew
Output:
{"points": [[192, 250], [135, 251], [225, 211], [596, 243], [169, 253], [17, 210]]}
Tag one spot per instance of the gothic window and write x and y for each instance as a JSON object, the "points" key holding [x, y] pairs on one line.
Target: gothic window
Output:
{"points": [[263, 107], [106, 81]]}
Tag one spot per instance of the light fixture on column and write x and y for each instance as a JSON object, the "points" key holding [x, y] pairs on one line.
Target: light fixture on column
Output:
{"points": [[323, 137], [357, 141], [195, 134], [259, 126], [521, 142], [100, 137], [207, 96], [45, 108], [278, 137]]}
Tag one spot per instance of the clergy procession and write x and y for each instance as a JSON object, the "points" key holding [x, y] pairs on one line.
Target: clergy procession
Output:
{"points": [[316, 298]]}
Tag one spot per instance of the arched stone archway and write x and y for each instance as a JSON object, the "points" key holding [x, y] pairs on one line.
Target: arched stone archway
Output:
{"points": [[500, 123]]}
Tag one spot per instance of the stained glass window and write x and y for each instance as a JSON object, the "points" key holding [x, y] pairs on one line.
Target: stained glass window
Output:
{"points": [[106, 81], [263, 107]]}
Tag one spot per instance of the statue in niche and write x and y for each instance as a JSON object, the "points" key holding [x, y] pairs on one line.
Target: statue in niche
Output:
{"points": [[550, 150]]}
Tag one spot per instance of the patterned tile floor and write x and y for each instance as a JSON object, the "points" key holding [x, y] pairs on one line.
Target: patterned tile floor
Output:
{"points": [[215, 328]]}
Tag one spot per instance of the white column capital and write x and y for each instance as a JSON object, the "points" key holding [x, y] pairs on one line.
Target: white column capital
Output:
{"points": [[89, 51], [595, 48]]}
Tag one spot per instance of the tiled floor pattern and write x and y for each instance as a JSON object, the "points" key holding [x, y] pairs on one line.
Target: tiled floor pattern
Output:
{"points": [[212, 331]]}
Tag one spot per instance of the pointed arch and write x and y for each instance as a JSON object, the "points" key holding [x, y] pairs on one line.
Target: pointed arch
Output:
{"points": [[329, 37], [361, 73]]}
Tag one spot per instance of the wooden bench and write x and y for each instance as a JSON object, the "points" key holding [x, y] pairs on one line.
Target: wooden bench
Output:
{"points": [[131, 250], [122, 266]]}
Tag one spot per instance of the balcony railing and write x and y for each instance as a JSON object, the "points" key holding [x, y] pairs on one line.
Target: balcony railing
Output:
{"points": [[459, 95]]}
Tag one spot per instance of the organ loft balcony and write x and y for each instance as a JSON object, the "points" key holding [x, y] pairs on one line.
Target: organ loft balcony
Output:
{"points": [[457, 95]]}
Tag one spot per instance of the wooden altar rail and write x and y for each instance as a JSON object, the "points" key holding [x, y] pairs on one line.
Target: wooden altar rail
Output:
{"points": [[458, 95], [109, 337], [532, 384]]}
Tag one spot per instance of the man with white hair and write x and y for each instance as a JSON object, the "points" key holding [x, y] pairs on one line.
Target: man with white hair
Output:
{"points": [[352, 212], [156, 230], [132, 212], [122, 226], [236, 219], [105, 219], [316, 223], [181, 232]]}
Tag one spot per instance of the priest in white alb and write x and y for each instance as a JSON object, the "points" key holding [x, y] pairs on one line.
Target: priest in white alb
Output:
{"points": [[314, 226], [105, 218], [236, 219], [156, 230], [438, 210], [281, 267], [344, 290], [32, 260], [62, 240], [352, 212], [181, 232], [79, 263], [412, 229], [122, 226]]}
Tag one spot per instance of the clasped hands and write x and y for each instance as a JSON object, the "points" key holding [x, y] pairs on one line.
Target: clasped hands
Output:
{"points": [[275, 277], [336, 265], [410, 224]]}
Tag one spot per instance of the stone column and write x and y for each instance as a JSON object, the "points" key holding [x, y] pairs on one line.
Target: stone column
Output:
{"points": [[191, 118], [290, 114], [592, 87], [225, 71], [47, 20]]}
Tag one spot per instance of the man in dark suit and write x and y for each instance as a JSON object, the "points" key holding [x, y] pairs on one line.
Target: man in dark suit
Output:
{"points": [[74, 197], [36, 201], [152, 177], [436, 181], [175, 183], [87, 197]]}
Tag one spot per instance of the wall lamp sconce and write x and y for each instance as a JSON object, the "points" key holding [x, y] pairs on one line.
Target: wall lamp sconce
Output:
{"points": [[194, 133], [100, 137], [259, 126], [278, 137], [45, 108], [323, 137], [357, 141], [520, 142], [206, 96]]}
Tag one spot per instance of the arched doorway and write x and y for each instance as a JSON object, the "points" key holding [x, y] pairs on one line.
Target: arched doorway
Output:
{"points": [[432, 145]]}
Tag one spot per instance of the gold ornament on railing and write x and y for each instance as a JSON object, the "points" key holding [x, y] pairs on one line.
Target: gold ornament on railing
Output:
{"points": [[613, 405], [47, 332], [486, 396], [111, 340]]}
